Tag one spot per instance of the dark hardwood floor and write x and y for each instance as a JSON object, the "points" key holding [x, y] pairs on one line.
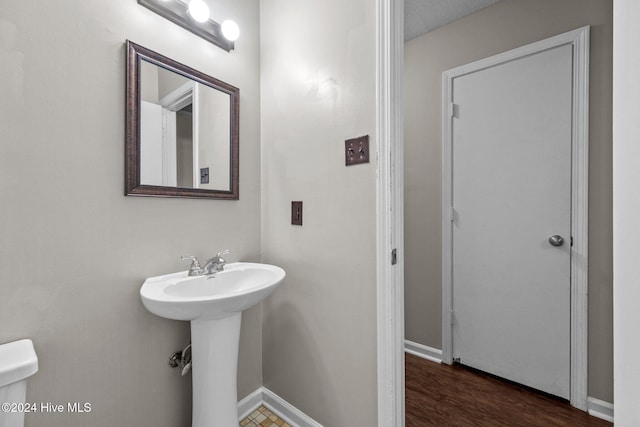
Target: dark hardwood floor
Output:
{"points": [[443, 395]]}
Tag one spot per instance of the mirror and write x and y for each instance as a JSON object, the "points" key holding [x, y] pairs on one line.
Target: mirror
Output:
{"points": [[182, 130]]}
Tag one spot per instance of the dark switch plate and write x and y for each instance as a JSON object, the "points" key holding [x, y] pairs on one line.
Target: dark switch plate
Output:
{"points": [[356, 150], [204, 175], [296, 213]]}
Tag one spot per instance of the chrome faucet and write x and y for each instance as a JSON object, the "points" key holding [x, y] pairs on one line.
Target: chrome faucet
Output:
{"points": [[215, 264], [212, 266]]}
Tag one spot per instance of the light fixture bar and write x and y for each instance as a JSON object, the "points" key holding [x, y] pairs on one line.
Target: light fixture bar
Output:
{"points": [[176, 12]]}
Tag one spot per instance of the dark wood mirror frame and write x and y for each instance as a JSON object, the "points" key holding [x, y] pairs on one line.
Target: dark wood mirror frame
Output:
{"points": [[133, 186]]}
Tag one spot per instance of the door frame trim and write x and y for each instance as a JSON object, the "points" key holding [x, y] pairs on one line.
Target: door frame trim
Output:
{"points": [[579, 39], [389, 211]]}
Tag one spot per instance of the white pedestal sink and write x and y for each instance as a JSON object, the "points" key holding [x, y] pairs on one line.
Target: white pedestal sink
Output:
{"points": [[213, 305]]}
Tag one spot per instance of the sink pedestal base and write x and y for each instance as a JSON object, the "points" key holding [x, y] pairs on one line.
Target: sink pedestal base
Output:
{"points": [[214, 355]]}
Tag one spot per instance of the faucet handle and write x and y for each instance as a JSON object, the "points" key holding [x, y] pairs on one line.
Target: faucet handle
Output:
{"points": [[191, 258], [195, 268], [225, 252]]}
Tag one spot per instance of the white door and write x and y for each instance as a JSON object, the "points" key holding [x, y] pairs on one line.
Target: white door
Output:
{"points": [[511, 182], [151, 154], [157, 145]]}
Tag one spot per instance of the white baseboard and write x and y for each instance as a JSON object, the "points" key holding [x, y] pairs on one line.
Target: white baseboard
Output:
{"points": [[249, 404], [600, 409], [424, 351], [282, 408]]}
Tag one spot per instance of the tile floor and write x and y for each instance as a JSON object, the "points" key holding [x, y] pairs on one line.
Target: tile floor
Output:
{"points": [[263, 417]]}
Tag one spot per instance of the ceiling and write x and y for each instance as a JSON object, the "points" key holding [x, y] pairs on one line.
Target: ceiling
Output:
{"points": [[422, 16]]}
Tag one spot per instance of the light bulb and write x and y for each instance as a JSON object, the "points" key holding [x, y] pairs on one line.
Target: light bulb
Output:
{"points": [[230, 30], [199, 10]]}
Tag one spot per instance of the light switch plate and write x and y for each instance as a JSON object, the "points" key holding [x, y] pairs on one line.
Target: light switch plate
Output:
{"points": [[296, 213], [204, 175], [356, 150]]}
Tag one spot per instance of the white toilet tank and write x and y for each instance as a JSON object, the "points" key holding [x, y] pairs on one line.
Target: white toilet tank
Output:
{"points": [[18, 361]]}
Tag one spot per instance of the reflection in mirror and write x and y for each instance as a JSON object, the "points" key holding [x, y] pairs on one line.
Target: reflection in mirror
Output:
{"points": [[173, 138], [182, 138]]}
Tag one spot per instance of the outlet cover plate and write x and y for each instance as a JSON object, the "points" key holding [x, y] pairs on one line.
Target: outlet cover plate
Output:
{"points": [[356, 150]]}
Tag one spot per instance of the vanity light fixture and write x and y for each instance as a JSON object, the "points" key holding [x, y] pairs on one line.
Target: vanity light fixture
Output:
{"points": [[193, 15], [198, 10], [230, 30]]}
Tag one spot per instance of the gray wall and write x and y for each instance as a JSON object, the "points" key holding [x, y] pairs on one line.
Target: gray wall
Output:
{"points": [[506, 25], [318, 89], [73, 249]]}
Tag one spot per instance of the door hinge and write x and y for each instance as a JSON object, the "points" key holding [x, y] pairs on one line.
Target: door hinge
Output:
{"points": [[453, 110], [451, 317], [452, 214], [571, 241], [394, 257]]}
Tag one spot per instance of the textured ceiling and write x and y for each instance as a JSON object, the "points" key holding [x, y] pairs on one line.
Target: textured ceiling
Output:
{"points": [[422, 16]]}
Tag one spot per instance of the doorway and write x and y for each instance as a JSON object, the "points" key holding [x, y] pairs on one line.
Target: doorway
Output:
{"points": [[514, 156], [496, 34]]}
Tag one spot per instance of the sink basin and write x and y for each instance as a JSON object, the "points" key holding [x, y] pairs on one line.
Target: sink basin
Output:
{"points": [[239, 286], [213, 304]]}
